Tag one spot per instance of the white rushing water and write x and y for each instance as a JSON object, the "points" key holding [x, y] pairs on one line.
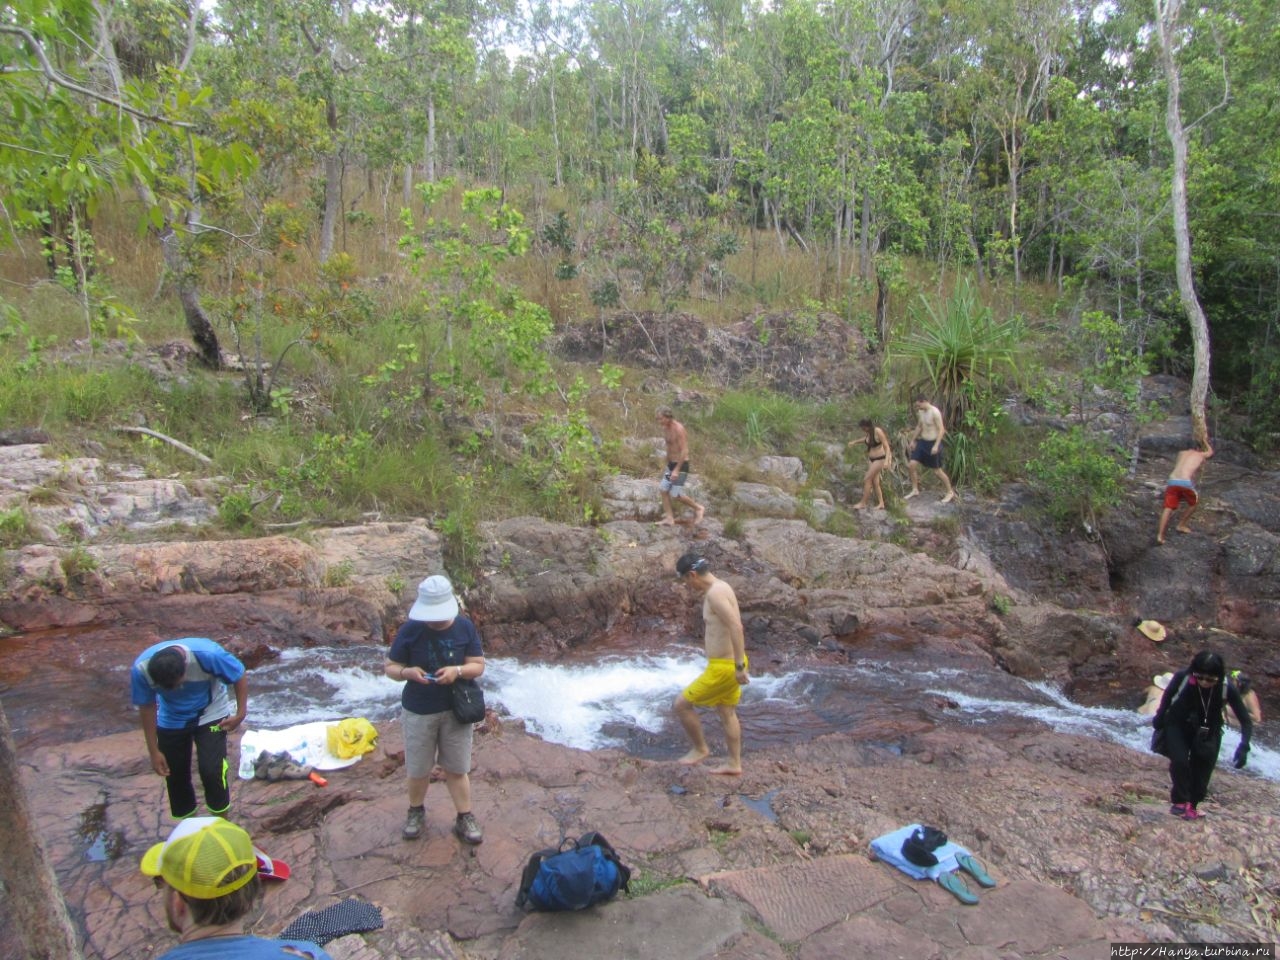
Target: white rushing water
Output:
{"points": [[600, 704]]}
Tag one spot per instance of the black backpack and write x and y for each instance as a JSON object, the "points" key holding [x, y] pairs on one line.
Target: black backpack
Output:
{"points": [[573, 877]]}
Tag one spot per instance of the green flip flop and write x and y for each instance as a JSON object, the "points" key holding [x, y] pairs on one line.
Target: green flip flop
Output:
{"points": [[974, 869], [952, 883]]}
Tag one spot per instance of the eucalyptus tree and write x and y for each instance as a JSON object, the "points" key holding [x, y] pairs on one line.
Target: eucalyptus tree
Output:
{"points": [[1014, 49], [1167, 14], [431, 53], [317, 49], [113, 118], [637, 40], [1235, 201]]}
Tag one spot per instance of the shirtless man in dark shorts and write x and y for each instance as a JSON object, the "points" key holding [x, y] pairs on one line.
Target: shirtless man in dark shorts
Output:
{"points": [[673, 481], [927, 450], [1181, 488]]}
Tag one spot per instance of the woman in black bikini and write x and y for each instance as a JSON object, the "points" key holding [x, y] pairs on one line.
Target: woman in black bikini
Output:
{"points": [[881, 459]]}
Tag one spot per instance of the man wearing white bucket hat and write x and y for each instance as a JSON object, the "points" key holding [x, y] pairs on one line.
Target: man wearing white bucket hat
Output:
{"points": [[436, 647]]}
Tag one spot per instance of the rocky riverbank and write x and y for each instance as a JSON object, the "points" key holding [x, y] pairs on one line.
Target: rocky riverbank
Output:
{"points": [[774, 865]]}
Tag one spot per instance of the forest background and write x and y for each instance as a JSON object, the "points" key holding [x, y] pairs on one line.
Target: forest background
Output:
{"points": [[372, 221]]}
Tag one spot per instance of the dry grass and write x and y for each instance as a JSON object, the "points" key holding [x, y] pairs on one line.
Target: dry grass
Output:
{"points": [[415, 459]]}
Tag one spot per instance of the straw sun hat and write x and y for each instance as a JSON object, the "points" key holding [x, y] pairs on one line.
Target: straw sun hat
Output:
{"points": [[1152, 629]]}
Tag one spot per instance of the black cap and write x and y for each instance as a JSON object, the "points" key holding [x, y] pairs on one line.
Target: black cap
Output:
{"points": [[691, 562]]}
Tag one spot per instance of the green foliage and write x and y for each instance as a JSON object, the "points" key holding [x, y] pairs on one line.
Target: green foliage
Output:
{"points": [[77, 564], [339, 575], [330, 470], [761, 421], [15, 528], [1108, 358], [645, 882], [1078, 476], [1259, 402], [958, 351], [668, 228], [460, 527], [57, 395], [235, 511], [488, 338]]}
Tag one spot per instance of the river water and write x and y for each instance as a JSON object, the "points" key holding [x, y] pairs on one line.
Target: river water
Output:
{"points": [[59, 689]]}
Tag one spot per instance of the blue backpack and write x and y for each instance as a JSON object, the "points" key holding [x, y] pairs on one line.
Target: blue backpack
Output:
{"points": [[586, 873]]}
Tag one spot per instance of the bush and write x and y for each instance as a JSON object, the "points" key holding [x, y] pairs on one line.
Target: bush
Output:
{"points": [[15, 528], [1078, 475]]}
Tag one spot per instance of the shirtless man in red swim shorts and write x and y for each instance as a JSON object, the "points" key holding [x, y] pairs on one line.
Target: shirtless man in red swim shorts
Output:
{"points": [[1181, 488]]}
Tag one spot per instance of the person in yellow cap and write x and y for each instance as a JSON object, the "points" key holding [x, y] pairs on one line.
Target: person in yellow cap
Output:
{"points": [[208, 870]]}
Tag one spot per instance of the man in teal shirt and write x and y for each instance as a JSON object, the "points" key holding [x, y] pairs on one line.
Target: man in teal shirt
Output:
{"points": [[182, 689]]}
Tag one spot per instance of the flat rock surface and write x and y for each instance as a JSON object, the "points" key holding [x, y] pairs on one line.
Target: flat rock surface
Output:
{"points": [[1076, 833]]}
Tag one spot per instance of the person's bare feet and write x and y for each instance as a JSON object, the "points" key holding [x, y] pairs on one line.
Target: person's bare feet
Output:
{"points": [[879, 506], [698, 512], [913, 493], [949, 497], [1182, 529], [859, 506], [694, 756], [725, 770], [1159, 541], [668, 522]]}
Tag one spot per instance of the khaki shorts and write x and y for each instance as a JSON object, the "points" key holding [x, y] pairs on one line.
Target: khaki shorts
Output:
{"points": [[435, 738], [717, 687]]}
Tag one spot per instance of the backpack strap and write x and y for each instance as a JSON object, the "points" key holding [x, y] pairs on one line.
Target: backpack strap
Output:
{"points": [[593, 839], [1158, 720], [531, 871]]}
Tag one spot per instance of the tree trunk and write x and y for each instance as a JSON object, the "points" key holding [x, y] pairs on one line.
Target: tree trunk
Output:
{"points": [[31, 889], [198, 322], [1166, 20], [555, 133], [431, 139], [176, 261], [882, 310], [332, 204]]}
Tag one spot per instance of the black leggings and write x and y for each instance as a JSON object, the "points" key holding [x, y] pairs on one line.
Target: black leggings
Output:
{"points": [[1190, 764], [210, 743]]}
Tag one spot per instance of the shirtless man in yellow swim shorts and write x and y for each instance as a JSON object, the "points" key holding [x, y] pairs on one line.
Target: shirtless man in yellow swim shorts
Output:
{"points": [[721, 683]]}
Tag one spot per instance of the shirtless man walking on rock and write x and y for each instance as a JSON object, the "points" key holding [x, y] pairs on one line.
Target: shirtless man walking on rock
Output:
{"points": [[721, 683], [1181, 488], [928, 436], [673, 481]]}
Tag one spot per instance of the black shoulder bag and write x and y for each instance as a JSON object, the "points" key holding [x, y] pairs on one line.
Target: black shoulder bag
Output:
{"points": [[464, 693]]}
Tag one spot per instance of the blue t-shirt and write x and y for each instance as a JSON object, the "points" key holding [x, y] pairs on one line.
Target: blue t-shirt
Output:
{"points": [[203, 696], [415, 645], [245, 948]]}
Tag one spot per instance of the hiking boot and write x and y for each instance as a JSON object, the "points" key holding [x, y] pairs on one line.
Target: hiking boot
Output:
{"points": [[1179, 809], [413, 823], [1191, 813], [467, 828]]}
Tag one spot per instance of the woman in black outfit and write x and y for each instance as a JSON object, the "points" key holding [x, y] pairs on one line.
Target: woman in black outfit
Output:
{"points": [[1190, 714]]}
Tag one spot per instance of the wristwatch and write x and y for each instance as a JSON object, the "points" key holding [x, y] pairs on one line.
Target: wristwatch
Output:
{"points": [[739, 666]]}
